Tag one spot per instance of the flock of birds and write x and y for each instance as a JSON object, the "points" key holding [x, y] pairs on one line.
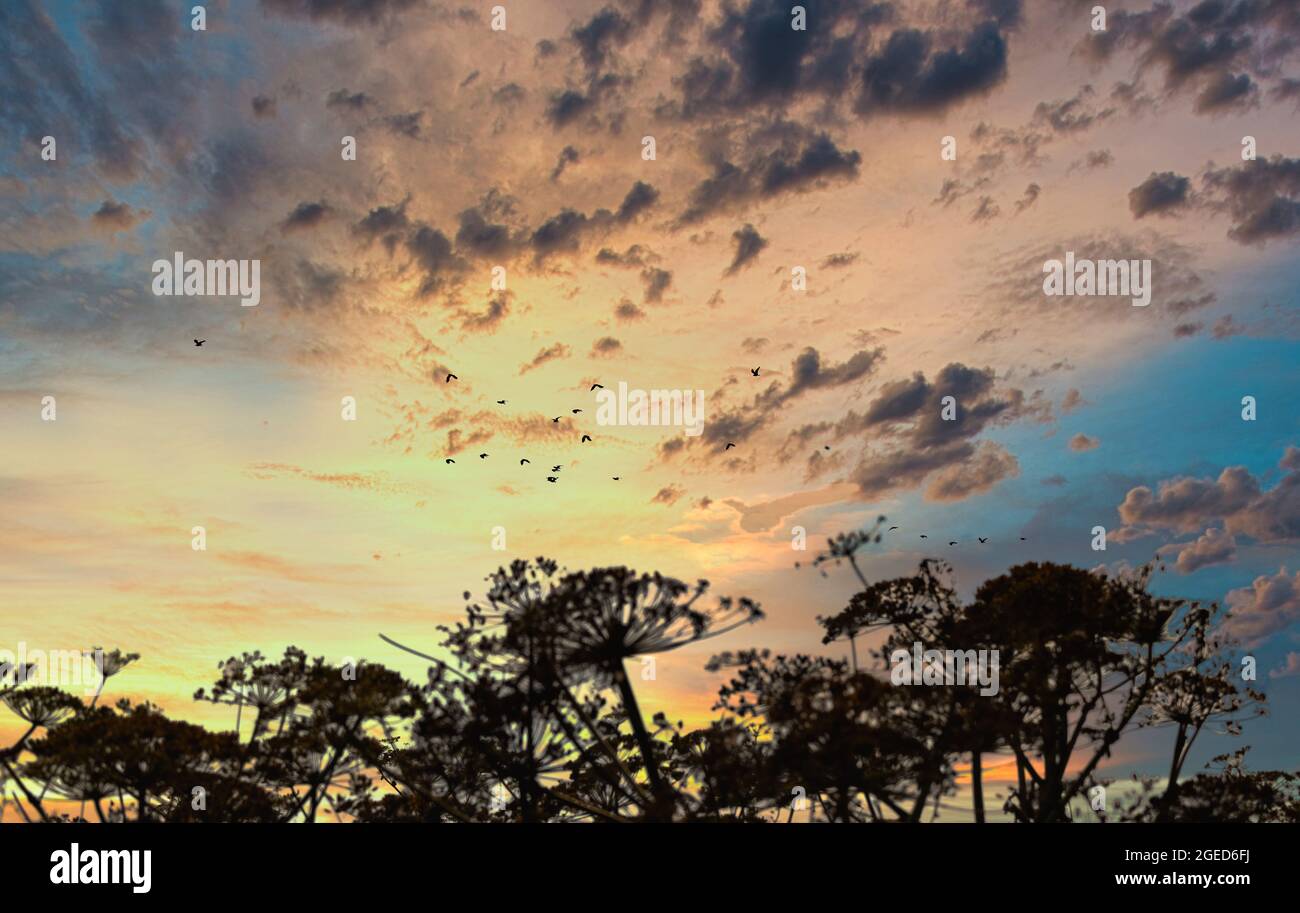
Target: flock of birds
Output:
{"points": [[586, 438], [982, 539], [554, 477]]}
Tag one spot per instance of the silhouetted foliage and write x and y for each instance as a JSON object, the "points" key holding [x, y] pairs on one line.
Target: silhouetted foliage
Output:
{"points": [[531, 714]]}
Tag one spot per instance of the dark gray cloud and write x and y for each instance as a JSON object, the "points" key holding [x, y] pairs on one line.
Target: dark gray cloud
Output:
{"points": [[909, 76], [1262, 197], [801, 161], [1159, 194], [263, 106], [304, 216], [568, 156], [348, 101], [433, 254], [343, 12], [749, 244], [1227, 91]]}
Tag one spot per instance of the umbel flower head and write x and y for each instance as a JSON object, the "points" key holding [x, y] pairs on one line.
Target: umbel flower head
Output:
{"points": [[41, 706], [589, 621], [111, 663], [607, 615]]}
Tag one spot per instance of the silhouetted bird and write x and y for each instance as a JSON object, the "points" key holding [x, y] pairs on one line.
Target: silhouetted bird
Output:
{"points": [[451, 461], [952, 543], [576, 411], [729, 446], [522, 462], [827, 447], [924, 536], [199, 342], [585, 438], [557, 418], [1022, 538], [482, 456], [597, 387], [451, 377], [981, 538], [501, 402], [550, 478], [754, 371], [556, 468], [615, 478], [891, 529]]}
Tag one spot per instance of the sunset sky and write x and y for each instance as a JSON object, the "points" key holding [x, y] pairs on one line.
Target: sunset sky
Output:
{"points": [[523, 148]]}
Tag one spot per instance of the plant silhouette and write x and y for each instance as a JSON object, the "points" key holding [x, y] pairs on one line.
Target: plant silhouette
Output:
{"points": [[529, 713]]}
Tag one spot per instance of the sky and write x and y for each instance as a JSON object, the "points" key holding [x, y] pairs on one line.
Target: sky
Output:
{"points": [[861, 210]]}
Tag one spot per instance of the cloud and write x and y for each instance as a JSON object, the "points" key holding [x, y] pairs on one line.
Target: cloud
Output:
{"points": [[263, 106], [749, 244], [1073, 400], [342, 12], [1081, 442], [988, 465], [305, 216], [1290, 666], [627, 311], [568, 156], [908, 76], [550, 353], [1159, 194], [605, 347], [1269, 605], [799, 163], [490, 319], [1227, 91], [1262, 197], [112, 217], [1214, 546], [668, 495], [1236, 498]]}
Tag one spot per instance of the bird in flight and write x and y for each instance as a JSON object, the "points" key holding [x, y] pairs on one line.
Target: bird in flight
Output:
{"points": [[1022, 538], [615, 478], [729, 446], [451, 377], [891, 529], [556, 468], [550, 478], [982, 539], [199, 342], [557, 418], [597, 387], [585, 438], [754, 371], [576, 411], [924, 536], [952, 543], [451, 461], [522, 462], [482, 456], [501, 402]]}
